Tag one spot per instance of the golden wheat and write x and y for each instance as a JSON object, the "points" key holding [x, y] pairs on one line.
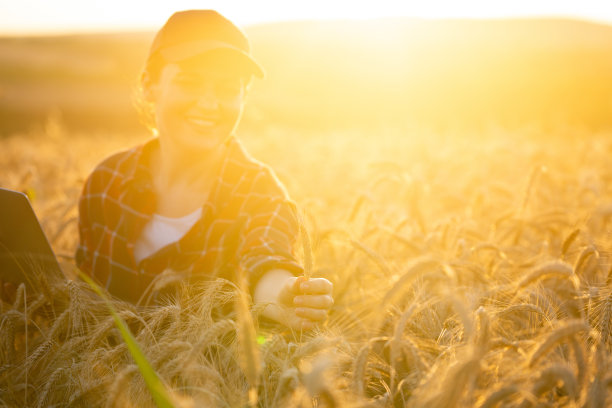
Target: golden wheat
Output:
{"points": [[451, 287], [359, 369], [554, 268], [550, 378], [496, 397], [47, 390], [569, 329]]}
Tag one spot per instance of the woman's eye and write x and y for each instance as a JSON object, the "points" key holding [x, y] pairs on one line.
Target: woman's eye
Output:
{"points": [[223, 89], [228, 89]]}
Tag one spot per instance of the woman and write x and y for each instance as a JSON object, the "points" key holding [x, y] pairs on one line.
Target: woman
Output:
{"points": [[176, 201]]}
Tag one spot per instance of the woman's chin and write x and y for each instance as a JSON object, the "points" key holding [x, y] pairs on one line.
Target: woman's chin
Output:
{"points": [[203, 141]]}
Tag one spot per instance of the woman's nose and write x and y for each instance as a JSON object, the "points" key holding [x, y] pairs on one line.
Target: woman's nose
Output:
{"points": [[208, 99]]}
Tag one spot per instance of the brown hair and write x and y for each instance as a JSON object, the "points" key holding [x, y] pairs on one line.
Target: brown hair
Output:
{"points": [[149, 75]]}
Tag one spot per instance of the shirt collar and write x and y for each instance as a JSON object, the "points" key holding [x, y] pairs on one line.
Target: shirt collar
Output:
{"points": [[139, 172], [138, 175]]}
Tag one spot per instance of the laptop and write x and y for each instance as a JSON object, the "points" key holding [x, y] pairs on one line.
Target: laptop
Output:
{"points": [[24, 248]]}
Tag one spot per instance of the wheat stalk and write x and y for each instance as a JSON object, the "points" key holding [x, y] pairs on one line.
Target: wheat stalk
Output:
{"points": [[60, 325], [213, 334], [569, 329], [533, 175], [307, 248], [7, 339], [287, 383], [597, 393], [583, 258], [374, 256], [119, 384], [521, 308], [76, 309], [454, 384], [249, 352], [554, 268], [567, 242], [415, 269], [359, 369], [40, 352], [43, 398], [604, 321], [357, 206], [483, 335], [20, 295], [550, 377], [398, 342], [498, 396], [581, 363]]}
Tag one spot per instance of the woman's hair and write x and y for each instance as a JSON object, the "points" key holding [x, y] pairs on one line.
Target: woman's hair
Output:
{"points": [[149, 74]]}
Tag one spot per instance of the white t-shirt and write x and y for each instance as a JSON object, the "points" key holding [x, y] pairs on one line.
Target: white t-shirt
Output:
{"points": [[161, 231]]}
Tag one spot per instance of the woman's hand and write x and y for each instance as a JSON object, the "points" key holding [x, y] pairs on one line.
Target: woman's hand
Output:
{"points": [[294, 301], [308, 300]]}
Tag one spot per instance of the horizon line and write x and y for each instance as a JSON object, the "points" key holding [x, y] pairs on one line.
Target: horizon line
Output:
{"points": [[110, 30]]}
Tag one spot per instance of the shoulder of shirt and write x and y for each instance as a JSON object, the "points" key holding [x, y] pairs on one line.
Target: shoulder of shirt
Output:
{"points": [[113, 169], [258, 169], [118, 163], [251, 164]]}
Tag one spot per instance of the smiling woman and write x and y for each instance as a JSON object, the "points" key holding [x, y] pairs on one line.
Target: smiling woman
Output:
{"points": [[176, 201], [197, 107]]}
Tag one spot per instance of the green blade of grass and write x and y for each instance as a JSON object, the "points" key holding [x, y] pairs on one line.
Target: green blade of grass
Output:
{"points": [[158, 391]]}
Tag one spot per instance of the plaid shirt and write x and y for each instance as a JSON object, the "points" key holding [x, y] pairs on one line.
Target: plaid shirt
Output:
{"points": [[118, 201]]}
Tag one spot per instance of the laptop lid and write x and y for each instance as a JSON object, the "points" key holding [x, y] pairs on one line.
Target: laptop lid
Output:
{"points": [[24, 249]]}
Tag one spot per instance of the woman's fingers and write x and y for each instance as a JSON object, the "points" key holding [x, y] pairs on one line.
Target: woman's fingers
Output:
{"points": [[306, 324], [307, 301], [296, 284], [316, 286], [312, 314], [315, 302], [294, 321]]}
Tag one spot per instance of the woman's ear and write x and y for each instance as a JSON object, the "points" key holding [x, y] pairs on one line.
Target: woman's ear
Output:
{"points": [[246, 86]]}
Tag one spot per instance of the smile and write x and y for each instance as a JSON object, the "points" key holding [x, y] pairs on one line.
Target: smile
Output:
{"points": [[202, 122]]}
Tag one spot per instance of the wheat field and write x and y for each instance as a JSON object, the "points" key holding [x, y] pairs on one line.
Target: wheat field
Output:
{"points": [[469, 270]]}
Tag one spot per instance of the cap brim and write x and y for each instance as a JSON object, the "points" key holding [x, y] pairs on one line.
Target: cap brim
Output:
{"points": [[215, 50]]}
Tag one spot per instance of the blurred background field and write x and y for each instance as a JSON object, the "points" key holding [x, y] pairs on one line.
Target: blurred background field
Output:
{"points": [[458, 191], [340, 74]]}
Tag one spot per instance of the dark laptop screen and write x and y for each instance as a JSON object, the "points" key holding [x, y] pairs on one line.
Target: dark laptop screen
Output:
{"points": [[24, 249]]}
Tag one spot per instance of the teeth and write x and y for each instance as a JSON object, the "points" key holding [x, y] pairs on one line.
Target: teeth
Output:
{"points": [[202, 122]]}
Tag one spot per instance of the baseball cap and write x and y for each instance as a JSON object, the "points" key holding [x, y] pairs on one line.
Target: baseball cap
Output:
{"points": [[191, 33]]}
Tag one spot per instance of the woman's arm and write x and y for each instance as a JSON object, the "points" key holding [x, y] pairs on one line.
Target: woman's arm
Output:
{"points": [[267, 254]]}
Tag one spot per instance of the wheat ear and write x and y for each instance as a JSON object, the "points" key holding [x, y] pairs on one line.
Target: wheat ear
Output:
{"points": [[359, 369], [498, 396], [307, 247], [551, 376], [570, 329], [554, 268], [46, 392]]}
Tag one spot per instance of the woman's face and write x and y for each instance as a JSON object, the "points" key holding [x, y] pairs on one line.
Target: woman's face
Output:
{"points": [[197, 108]]}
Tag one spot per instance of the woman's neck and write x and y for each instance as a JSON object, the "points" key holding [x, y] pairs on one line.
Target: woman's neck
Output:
{"points": [[178, 166]]}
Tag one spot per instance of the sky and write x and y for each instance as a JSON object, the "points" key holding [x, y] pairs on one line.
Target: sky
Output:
{"points": [[35, 17]]}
